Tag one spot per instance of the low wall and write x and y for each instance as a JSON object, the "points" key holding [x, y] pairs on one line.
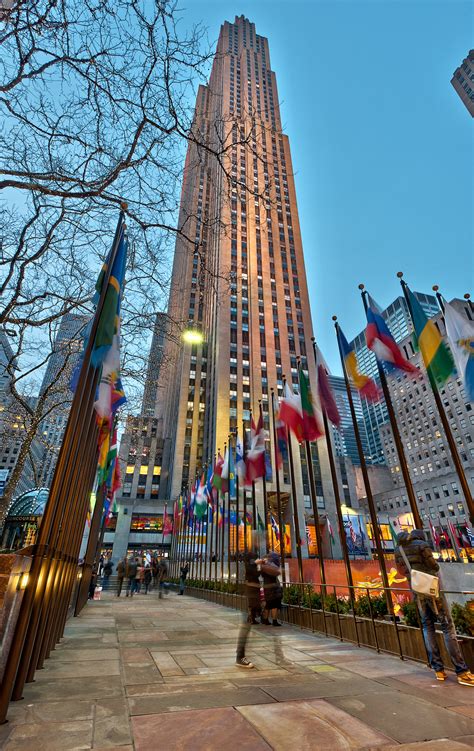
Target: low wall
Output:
{"points": [[13, 579]]}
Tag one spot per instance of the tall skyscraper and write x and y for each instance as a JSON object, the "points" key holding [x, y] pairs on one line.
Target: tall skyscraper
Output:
{"points": [[65, 354], [345, 443], [150, 396], [399, 322], [240, 277], [463, 82]]}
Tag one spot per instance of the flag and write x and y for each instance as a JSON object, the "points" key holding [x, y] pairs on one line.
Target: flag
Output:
{"points": [[382, 343], [167, 523], [200, 503], [393, 532], [331, 533], [107, 325], [364, 385], [255, 457], [326, 396], [239, 459], [260, 524], [460, 333], [436, 355], [209, 487], [275, 527], [311, 429], [352, 532], [454, 533], [291, 413], [470, 535], [217, 475], [282, 443], [228, 471], [434, 533]]}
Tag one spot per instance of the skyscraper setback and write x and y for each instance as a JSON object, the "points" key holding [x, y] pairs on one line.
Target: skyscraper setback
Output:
{"points": [[238, 274]]}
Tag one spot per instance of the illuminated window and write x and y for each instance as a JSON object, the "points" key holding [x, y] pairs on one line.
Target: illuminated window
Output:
{"points": [[156, 470]]}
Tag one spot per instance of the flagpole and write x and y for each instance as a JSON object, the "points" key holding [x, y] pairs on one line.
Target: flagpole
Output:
{"points": [[254, 502], [223, 526], [264, 481], [244, 443], [444, 419], [296, 521], [365, 474], [335, 485], [396, 432], [314, 503], [237, 525], [229, 530], [277, 482]]}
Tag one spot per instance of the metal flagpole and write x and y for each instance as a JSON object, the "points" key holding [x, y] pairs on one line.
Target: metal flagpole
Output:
{"points": [[264, 479], [314, 503], [444, 419], [294, 500], [396, 433], [278, 493], [363, 466]]}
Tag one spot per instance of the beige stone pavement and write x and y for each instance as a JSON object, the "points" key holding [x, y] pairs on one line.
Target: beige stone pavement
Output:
{"points": [[148, 674]]}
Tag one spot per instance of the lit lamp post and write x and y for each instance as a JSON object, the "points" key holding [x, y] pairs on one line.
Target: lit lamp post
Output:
{"points": [[192, 336]]}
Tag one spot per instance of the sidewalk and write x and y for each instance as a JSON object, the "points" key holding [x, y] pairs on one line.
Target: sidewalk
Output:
{"points": [[148, 674]]}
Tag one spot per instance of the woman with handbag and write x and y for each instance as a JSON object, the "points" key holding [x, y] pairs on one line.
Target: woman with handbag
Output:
{"points": [[414, 559]]}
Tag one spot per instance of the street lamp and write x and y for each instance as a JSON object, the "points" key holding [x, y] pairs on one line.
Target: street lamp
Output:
{"points": [[192, 336]]}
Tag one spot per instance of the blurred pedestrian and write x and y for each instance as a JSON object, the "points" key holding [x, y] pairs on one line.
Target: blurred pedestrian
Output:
{"points": [[269, 567], [147, 578], [252, 592], [139, 576], [120, 568], [106, 573], [182, 578], [130, 573], [162, 575]]}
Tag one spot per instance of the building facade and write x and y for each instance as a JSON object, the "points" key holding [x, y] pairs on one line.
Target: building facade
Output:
{"points": [[399, 322], [344, 438], [150, 393], [435, 482], [55, 387], [463, 82], [241, 280]]}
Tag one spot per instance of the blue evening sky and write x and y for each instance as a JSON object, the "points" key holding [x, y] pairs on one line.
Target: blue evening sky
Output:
{"points": [[382, 146]]}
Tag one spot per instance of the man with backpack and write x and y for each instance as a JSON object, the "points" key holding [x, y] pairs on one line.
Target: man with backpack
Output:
{"points": [[413, 554]]}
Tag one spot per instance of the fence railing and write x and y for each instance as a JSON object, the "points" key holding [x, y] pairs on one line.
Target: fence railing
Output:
{"points": [[361, 615]]}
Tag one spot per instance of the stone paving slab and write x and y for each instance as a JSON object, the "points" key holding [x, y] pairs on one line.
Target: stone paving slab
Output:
{"points": [[405, 718], [143, 673]]}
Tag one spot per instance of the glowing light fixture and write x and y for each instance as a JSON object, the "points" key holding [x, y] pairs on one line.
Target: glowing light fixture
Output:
{"points": [[193, 336]]}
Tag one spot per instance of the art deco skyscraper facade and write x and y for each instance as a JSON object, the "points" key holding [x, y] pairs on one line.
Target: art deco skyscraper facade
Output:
{"points": [[239, 274]]}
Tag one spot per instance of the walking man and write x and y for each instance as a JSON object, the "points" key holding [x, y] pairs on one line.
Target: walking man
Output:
{"points": [[162, 576], [413, 552], [182, 579], [120, 568], [130, 573], [252, 592]]}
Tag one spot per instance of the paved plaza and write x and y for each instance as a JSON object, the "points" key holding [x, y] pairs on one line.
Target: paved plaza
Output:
{"points": [[147, 674]]}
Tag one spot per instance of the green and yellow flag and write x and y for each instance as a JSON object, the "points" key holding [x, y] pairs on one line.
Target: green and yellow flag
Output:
{"points": [[436, 354]]}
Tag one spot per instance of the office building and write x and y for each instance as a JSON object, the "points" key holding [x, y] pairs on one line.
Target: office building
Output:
{"points": [[399, 322], [241, 282], [435, 482], [463, 82]]}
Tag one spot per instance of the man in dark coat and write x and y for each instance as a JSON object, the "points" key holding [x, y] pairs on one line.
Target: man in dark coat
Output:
{"points": [[420, 557]]}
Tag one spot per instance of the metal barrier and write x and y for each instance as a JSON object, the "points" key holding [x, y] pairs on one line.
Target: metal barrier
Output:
{"points": [[320, 608]]}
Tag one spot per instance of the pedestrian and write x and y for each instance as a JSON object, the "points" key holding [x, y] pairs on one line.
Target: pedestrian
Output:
{"points": [[182, 578], [270, 569], [252, 592], [147, 578], [139, 576], [120, 568], [414, 554], [106, 573], [92, 584], [162, 574], [100, 566], [130, 573]]}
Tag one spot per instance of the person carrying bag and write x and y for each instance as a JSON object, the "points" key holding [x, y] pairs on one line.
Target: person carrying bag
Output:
{"points": [[415, 559]]}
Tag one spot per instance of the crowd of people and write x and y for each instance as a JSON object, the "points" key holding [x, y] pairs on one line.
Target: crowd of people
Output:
{"points": [[141, 574]]}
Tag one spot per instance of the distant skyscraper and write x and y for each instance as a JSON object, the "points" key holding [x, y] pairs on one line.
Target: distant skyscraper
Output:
{"points": [[463, 82], [150, 395], [399, 322], [256, 325], [344, 437], [65, 355]]}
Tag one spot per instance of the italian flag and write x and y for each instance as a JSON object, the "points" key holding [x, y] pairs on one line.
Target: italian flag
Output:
{"points": [[311, 429], [291, 413]]}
